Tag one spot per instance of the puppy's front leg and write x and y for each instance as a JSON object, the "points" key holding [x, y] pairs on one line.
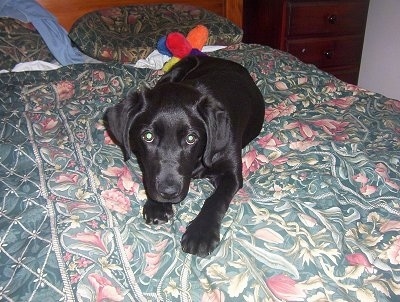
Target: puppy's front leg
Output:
{"points": [[203, 233], [157, 212]]}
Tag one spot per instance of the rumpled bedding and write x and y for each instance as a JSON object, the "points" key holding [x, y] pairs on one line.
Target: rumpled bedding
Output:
{"points": [[55, 36], [317, 219]]}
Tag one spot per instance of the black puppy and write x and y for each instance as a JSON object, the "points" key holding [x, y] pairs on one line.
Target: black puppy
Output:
{"points": [[192, 124]]}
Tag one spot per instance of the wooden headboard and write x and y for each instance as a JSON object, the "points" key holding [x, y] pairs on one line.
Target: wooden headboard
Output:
{"points": [[67, 11]]}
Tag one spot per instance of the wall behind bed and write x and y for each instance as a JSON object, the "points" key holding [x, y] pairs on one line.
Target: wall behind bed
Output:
{"points": [[380, 64]]}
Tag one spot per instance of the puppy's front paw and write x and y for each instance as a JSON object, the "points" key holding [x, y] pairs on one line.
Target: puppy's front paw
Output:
{"points": [[201, 237], [157, 212]]}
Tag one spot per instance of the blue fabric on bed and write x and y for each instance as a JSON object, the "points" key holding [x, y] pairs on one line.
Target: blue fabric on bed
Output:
{"points": [[53, 34]]}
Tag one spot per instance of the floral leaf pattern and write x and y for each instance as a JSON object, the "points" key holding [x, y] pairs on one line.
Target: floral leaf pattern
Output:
{"points": [[317, 218]]}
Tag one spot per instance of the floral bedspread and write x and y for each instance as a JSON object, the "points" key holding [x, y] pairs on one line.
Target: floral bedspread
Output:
{"points": [[318, 218]]}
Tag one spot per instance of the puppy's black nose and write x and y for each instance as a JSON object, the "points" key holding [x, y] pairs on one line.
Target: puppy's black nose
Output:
{"points": [[169, 188], [169, 191]]}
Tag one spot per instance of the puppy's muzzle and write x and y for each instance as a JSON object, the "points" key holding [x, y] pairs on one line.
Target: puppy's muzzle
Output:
{"points": [[170, 187]]}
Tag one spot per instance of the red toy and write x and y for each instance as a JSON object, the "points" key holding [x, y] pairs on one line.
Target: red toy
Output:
{"points": [[180, 46]]}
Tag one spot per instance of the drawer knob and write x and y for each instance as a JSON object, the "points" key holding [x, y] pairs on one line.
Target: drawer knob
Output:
{"points": [[332, 19], [328, 54]]}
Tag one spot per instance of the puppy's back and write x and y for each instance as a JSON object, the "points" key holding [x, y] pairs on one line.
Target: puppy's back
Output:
{"points": [[229, 84]]}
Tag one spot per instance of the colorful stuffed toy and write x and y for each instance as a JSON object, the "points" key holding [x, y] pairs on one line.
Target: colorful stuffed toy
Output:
{"points": [[177, 46]]}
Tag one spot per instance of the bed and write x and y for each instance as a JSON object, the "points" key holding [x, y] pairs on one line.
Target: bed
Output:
{"points": [[318, 217]]}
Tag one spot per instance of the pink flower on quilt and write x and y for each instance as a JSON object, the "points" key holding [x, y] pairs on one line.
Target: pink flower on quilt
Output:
{"points": [[361, 178], [305, 130], [303, 145], [302, 80], [83, 262], [359, 259], [390, 225], [382, 171], [106, 53], [81, 135], [115, 83], [330, 87], [65, 90], [35, 117], [368, 190], [116, 201], [269, 235], [67, 257], [105, 90], [342, 103], [91, 238], [48, 124], [68, 178], [331, 127], [154, 258], [281, 110], [393, 105], [93, 224], [269, 141], [254, 76], [75, 278], [394, 252], [352, 87], [153, 261], [341, 137], [105, 291], [77, 206], [281, 85], [252, 161], [182, 229], [213, 296], [307, 220], [294, 97], [107, 139], [266, 66], [285, 288], [125, 182], [242, 196], [29, 26], [99, 75], [128, 252], [392, 184], [132, 19]]}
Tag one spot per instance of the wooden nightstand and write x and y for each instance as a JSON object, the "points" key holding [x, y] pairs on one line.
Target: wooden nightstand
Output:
{"points": [[329, 34]]}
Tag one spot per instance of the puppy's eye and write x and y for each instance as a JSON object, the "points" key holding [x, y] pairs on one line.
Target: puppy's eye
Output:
{"points": [[148, 136], [191, 138]]}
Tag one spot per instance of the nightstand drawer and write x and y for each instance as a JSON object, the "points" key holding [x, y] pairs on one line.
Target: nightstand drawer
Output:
{"points": [[325, 52], [326, 17], [326, 33]]}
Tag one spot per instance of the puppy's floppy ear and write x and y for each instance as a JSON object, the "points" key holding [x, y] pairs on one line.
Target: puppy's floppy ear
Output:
{"points": [[218, 129], [119, 120]]}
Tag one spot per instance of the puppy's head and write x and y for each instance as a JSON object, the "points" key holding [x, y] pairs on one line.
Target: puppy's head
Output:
{"points": [[169, 130]]}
